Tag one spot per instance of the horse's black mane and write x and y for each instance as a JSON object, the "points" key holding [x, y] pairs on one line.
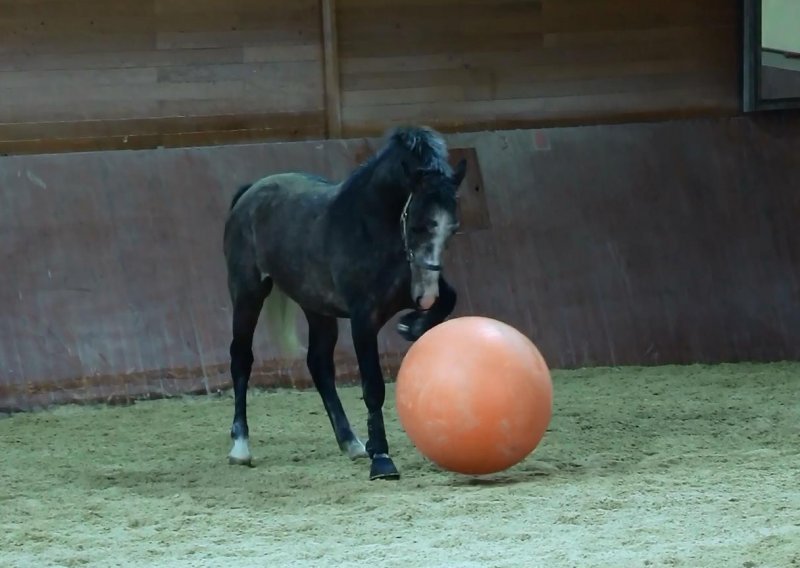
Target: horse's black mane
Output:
{"points": [[425, 144], [239, 193], [421, 142], [417, 146]]}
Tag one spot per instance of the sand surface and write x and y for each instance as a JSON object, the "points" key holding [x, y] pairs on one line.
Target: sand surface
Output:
{"points": [[670, 466]]}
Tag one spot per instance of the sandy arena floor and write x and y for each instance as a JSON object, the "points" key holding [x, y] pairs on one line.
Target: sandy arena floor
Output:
{"points": [[671, 466]]}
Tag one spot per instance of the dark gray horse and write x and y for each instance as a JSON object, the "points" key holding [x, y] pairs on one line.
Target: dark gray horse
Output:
{"points": [[363, 249]]}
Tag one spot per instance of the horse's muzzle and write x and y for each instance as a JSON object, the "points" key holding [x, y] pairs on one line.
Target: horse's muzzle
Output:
{"points": [[425, 303]]}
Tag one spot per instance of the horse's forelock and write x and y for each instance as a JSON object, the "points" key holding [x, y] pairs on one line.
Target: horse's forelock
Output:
{"points": [[426, 144]]}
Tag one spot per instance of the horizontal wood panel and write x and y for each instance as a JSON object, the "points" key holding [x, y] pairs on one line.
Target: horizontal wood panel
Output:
{"points": [[469, 64], [516, 63], [519, 88], [488, 114], [19, 61], [640, 254], [591, 15], [157, 72], [46, 137]]}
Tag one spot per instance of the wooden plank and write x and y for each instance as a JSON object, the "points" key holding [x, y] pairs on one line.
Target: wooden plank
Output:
{"points": [[150, 73], [532, 112], [436, 55], [641, 85], [330, 50], [376, 25], [479, 65], [592, 16], [285, 86], [468, 63], [416, 95], [229, 38], [23, 61], [690, 32], [450, 44], [274, 53], [174, 131], [160, 125], [526, 74]]}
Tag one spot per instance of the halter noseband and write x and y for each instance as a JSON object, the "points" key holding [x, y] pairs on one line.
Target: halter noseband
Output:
{"points": [[410, 257]]}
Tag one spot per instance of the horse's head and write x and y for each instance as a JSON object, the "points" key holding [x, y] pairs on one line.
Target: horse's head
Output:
{"points": [[429, 219]]}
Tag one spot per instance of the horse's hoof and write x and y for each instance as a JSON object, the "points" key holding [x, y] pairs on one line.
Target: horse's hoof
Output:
{"points": [[404, 331], [411, 326], [354, 449], [383, 468], [240, 461]]}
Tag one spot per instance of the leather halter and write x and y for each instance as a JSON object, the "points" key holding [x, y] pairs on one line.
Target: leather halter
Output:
{"points": [[410, 257]]}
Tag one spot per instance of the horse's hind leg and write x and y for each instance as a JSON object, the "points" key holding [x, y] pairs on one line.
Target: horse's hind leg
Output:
{"points": [[247, 304], [323, 332]]}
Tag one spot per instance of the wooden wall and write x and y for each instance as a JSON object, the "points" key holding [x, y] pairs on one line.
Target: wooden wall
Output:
{"points": [[95, 74], [459, 64], [671, 242]]}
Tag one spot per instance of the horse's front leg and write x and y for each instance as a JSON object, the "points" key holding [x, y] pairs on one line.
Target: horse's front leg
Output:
{"points": [[365, 341], [414, 324]]}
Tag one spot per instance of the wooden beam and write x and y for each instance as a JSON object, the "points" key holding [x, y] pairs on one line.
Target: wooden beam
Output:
{"points": [[330, 49]]}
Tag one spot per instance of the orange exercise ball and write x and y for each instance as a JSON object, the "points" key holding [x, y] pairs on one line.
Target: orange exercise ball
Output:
{"points": [[474, 395]]}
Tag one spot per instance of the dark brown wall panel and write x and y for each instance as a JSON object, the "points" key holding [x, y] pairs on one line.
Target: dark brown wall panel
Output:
{"points": [[628, 244], [131, 74], [485, 65], [670, 242]]}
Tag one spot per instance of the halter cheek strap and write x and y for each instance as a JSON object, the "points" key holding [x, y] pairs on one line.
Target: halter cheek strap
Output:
{"points": [[410, 257]]}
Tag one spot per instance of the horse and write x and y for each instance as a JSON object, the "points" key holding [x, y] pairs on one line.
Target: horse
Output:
{"points": [[364, 249]]}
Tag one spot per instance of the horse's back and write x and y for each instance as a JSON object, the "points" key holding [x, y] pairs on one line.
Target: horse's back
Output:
{"points": [[278, 227], [283, 187]]}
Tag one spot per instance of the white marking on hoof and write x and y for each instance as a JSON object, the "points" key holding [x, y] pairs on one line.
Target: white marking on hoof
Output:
{"points": [[355, 449], [240, 453], [376, 456]]}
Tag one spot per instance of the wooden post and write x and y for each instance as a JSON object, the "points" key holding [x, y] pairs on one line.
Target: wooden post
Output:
{"points": [[330, 51]]}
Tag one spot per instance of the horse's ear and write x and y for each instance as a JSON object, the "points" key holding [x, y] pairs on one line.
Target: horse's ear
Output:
{"points": [[459, 173]]}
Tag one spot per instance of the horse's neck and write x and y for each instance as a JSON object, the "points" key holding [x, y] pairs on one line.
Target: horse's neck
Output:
{"points": [[375, 192]]}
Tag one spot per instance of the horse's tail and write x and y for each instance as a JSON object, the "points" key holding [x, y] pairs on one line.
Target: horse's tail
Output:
{"points": [[281, 313], [238, 194]]}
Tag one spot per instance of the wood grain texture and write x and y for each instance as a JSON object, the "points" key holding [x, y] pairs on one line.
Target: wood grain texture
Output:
{"points": [[652, 243], [330, 49], [362, 65], [129, 73], [477, 65]]}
